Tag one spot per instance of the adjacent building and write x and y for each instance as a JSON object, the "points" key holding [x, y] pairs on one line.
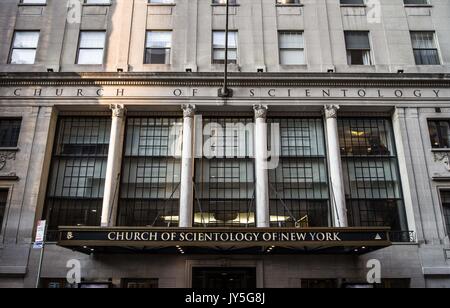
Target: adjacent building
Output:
{"points": [[331, 154]]}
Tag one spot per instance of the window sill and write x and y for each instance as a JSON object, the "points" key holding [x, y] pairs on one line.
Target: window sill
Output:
{"points": [[97, 4], [6, 149], [440, 150], [231, 5], [161, 4], [353, 5], [419, 5], [32, 4], [290, 5]]}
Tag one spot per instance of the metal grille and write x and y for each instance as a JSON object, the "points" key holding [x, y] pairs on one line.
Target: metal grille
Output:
{"points": [[9, 132], [3, 201], [445, 196], [371, 175], [224, 180], [150, 188], [299, 193], [77, 177]]}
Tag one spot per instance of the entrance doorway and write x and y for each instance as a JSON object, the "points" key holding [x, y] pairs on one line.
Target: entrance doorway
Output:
{"points": [[223, 278]]}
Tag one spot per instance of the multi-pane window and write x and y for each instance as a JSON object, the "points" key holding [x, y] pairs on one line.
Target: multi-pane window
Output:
{"points": [[3, 202], [353, 2], [231, 2], [91, 47], [97, 1], [425, 48], [150, 186], [292, 50], [286, 2], [371, 175], [224, 177], [34, 1], [445, 198], [358, 48], [439, 133], [158, 47], [299, 185], [24, 46], [9, 132], [78, 170], [219, 47], [416, 2]]}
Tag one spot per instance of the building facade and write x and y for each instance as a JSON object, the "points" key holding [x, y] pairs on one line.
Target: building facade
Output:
{"points": [[331, 154]]}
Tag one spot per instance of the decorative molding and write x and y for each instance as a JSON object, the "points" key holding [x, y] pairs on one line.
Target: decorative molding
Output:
{"points": [[444, 157], [118, 111], [5, 156], [260, 111], [235, 80], [188, 111], [331, 111]]}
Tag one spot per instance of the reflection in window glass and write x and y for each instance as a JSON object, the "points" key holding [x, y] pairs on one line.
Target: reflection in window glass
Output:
{"points": [[225, 184], [371, 176], [78, 170], [299, 185], [150, 188]]}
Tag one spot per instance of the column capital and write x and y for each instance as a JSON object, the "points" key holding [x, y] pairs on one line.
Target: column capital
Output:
{"points": [[260, 111], [331, 111], [188, 110], [118, 110]]}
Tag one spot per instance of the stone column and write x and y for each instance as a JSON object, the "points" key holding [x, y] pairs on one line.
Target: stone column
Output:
{"points": [[113, 168], [338, 206], [261, 172], [187, 169]]}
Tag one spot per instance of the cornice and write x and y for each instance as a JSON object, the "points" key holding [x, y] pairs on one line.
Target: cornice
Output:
{"points": [[216, 79]]}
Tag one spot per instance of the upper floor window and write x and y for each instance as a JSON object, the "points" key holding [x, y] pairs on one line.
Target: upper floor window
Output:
{"points": [[161, 1], [232, 2], [439, 133], [353, 2], [91, 47], [358, 48], [284, 2], [97, 1], [158, 47], [219, 47], [292, 50], [24, 46], [34, 1], [3, 201], [9, 132], [416, 2], [425, 48]]}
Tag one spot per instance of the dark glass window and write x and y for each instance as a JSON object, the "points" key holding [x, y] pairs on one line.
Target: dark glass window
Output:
{"points": [[439, 133], [224, 179], [3, 201], [78, 170], [299, 185], [371, 176], [150, 188], [445, 197], [9, 132]]}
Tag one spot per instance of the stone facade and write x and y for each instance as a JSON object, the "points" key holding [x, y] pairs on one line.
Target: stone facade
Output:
{"points": [[394, 87]]}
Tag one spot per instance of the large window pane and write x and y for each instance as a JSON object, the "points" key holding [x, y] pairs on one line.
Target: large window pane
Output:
{"points": [[371, 176], [78, 170], [299, 185], [150, 188], [225, 183]]}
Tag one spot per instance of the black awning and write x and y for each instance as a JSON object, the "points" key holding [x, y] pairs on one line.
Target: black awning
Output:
{"points": [[224, 241]]}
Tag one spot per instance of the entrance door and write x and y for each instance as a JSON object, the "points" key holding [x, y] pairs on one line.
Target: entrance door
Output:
{"points": [[223, 278]]}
